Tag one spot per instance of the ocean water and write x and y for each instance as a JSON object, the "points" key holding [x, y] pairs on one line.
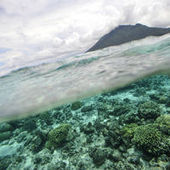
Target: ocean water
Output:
{"points": [[35, 88], [103, 110]]}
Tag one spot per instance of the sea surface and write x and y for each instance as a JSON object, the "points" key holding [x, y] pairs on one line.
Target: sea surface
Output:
{"points": [[34, 88]]}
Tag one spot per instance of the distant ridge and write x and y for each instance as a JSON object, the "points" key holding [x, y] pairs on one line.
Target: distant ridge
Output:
{"points": [[127, 33]]}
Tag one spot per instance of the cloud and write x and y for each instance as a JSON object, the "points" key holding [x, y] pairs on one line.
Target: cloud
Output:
{"points": [[41, 29]]}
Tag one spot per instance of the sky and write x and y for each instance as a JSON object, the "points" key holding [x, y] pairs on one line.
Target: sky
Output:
{"points": [[38, 30]]}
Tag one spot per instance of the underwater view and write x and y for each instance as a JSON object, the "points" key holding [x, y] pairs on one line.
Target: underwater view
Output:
{"points": [[84, 85], [127, 128]]}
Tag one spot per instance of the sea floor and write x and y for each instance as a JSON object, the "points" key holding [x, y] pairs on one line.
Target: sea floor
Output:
{"points": [[127, 129]]}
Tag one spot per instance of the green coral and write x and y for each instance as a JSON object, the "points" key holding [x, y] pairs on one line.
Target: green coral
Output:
{"points": [[163, 123], [163, 120], [150, 139], [57, 136], [129, 130], [149, 110]]}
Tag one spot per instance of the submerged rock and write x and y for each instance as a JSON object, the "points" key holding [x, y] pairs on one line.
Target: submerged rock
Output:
{"points": [[57, 136], [76, 105]]}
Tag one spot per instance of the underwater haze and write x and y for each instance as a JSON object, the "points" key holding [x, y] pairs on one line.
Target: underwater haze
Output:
{"points": [[38, 87]]}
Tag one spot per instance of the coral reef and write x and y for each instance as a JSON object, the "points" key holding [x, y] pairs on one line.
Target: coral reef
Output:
{"points": [[124, 129]]}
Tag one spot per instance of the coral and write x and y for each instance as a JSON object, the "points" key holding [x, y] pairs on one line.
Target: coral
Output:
{"points": [[5, 136], [160, 97], [5, 131], [5, 162], [168, 102], [76, 105], [149, 110], [46, 117], [87, 108], [129, 130], [120, 108], [112, 135], [37, 144], [57, 136], [163, 99], [150, 139], [115, 156], [5, 127], [104, 107], [29, 124], [163, 123], [98, 156], [163, 120], [59, 165], [88, 129], [139, 91]]}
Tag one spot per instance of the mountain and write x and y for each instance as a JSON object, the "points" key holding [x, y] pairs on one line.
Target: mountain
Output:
{"points": [[126, 33]]}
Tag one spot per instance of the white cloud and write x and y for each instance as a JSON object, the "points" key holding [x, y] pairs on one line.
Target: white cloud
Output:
{"points": [[33, 29]]}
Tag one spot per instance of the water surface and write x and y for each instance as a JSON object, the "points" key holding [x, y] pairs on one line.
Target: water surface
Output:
{"points": [[35, 88]]}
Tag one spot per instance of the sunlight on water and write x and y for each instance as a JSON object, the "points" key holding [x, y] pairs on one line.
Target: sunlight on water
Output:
{"points": [[34, 89]]}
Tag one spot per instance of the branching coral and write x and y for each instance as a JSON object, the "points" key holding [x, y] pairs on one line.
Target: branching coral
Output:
{"points": [[150, 139]]}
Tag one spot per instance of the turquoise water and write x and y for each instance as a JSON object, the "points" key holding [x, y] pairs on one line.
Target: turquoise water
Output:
{"points": [[35, 88], [104, 110], [123, 129]]}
